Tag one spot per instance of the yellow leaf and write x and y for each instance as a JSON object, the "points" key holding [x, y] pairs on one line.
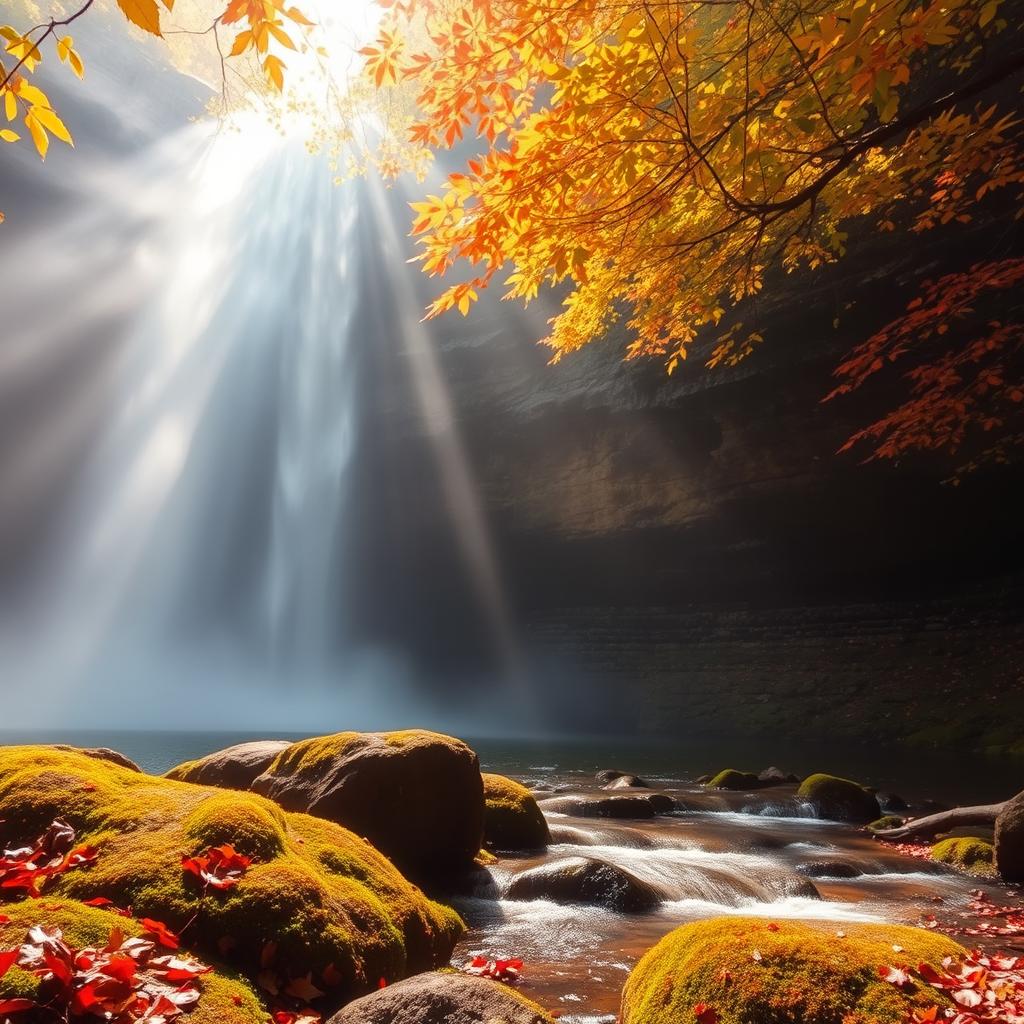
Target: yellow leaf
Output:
{"points": [[281, 36], [39, 136], [274, 67], [10, 105], [143, 13], [242, 43], [53, 124], [64, 47], [298, 17], [76, 64], [8, 136]]}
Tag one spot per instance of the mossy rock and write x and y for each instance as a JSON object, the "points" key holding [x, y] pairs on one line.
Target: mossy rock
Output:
{"points": [[225, 999], [730, 778], [839, 799], [416, 795], [443, 996], [512, 819], [323, 895], [887, 821], [974, 856], [234, 767], [804, 973]]}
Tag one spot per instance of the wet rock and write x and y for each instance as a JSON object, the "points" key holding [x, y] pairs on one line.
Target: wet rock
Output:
{"points": [[601, 807], [776, 777], [829, 869], [417, 796], [703, 780], [585, 880], [891, 802], [234, 767], [1009, 840], [627, 782], [662, 803], [607, 775], [839, 799], [443, 999], [512, 819], [730, 778]]}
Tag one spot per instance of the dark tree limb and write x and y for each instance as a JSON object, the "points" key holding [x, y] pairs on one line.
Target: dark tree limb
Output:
{"points": [[934, 824]]}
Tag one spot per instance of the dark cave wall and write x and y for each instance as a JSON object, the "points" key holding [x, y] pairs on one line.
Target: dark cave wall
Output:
{"points": [[691, 554]]}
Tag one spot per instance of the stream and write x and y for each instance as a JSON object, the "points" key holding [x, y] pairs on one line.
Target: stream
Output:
{"points": [[722, 853]]}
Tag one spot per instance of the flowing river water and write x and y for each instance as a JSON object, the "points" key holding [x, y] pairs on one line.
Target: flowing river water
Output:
{"points": [[719, 853]]}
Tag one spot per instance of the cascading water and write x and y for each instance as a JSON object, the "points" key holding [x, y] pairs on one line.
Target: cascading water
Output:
{"points": [[205, 541]]}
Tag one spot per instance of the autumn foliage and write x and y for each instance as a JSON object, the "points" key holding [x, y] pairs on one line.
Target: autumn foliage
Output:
{"points": [[661, 159]]}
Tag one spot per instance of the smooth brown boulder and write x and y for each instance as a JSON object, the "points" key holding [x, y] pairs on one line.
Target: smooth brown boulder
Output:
{"points": [[100, 754], [415, 795], [234, 767], [585, 880], [1009, 840], [443, 998]]}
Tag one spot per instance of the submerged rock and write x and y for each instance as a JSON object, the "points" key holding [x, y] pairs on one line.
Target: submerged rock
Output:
{"points": [[627, 782], [223, 1000], [234, 767], [829, 869], [1009, 840], [443, 999], [602, 807], [839, 799], [416, 795], [801, 972], [512, 819], [730, 778], [585, 880], [330, 904], [607, 775]]}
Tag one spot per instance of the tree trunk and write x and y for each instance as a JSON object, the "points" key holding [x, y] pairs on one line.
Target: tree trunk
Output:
{"points": [[931, 825]]}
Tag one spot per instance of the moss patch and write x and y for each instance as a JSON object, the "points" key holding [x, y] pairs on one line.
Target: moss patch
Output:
{"points": [[225, 999], [730, 778], [884, 822], [805, 973], [512, 819], [974, 856], [323, 895], [840, 799]]}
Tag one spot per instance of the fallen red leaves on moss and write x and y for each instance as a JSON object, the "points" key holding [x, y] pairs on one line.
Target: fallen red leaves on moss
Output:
{"points": [[25, 871], [219, 868], [123, 983]]}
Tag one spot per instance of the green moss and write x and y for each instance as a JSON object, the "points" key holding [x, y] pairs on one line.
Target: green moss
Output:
{"points": [[884, 822], [321, 893], [839, 798], [308, 756], [512, 819], [730, 778], [805, 973], [974, 856], [226, 999], [184, 771]]}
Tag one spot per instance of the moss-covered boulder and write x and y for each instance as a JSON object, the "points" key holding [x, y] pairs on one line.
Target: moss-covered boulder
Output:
{"points": [[752, 971], [323, 899], [234, 767], [730, 778], [416, 795], [585, 880], [225, 999], [839, 799], [512, 819], [1009, 840], [886, 821], [443, 997], [974, 856]]}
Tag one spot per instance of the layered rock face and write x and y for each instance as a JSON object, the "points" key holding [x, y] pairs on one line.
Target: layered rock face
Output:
{"points": [[688, 553]]}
